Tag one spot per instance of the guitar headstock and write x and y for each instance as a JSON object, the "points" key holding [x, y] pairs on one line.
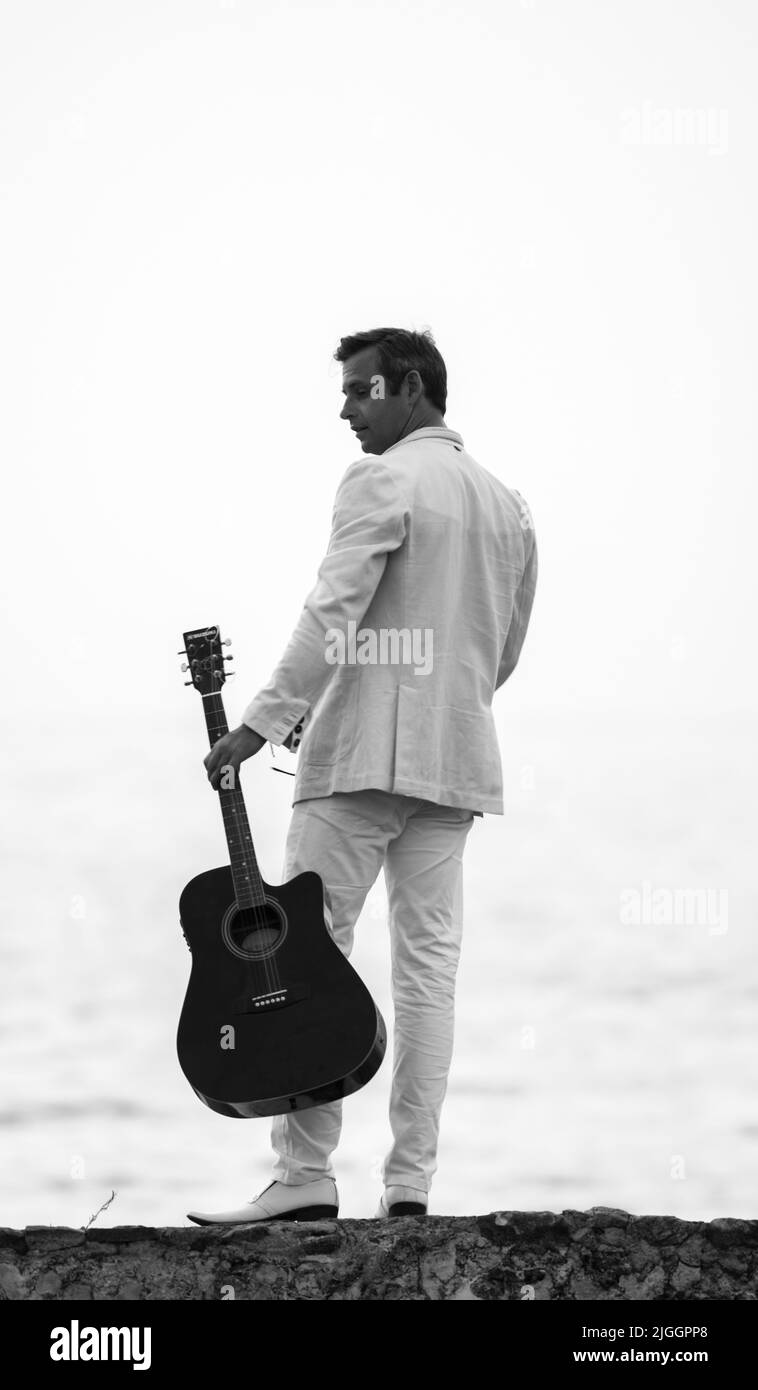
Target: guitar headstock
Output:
{"points": [[205, 660]]}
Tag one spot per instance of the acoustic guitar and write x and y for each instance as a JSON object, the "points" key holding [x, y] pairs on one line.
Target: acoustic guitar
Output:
{"points": [[275, 1018]]}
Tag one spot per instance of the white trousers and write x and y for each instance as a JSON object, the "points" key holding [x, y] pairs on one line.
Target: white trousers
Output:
{"points": [[347, 838]]}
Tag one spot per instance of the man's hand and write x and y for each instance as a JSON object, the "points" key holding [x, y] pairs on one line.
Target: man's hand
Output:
{"points": [[230, 751]]}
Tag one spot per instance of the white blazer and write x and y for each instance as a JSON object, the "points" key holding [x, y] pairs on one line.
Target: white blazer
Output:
{"points": [[418, 616]]}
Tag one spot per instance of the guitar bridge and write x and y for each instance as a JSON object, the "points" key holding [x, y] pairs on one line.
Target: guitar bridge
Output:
{"points": [[262, 1000], [280, 998]]}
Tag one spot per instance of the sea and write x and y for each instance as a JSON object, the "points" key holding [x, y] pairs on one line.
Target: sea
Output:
{"points": [[606, 1044]]}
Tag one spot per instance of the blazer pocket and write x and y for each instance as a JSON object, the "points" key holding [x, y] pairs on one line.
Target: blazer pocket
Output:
{"points": [[418, 736], [444, 743], [334, 729]]}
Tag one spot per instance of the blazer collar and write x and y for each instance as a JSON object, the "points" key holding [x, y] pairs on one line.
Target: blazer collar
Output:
{"points": [[431, 432]]}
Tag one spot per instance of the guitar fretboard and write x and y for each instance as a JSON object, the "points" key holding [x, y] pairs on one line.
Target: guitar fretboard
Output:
{"points": [[248, 885]]}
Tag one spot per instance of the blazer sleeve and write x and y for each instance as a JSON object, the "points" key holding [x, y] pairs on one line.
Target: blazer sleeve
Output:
{"points": [[369, 520], [522, 608]]}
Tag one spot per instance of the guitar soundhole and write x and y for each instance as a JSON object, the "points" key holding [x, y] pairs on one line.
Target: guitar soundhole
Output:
{"points": [[254, 932]]}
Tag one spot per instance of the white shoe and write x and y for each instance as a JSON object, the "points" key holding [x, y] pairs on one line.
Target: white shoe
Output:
{"points": [[402, 1201], [308, 1201]]}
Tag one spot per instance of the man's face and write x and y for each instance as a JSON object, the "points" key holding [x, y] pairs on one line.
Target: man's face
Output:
{"points": [[377, 418]]}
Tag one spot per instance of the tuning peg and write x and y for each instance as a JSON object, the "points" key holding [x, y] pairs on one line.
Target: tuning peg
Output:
{"points": [[228, 658], [227, 642], [182, 652], [189, 682], [184, 665]]}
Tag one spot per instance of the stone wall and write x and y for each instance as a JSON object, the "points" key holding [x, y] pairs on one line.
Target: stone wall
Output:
{"points": [[602, 1253]]}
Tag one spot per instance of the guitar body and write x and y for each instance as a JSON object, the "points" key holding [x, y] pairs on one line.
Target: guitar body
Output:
{"points": [[275, 1018]]}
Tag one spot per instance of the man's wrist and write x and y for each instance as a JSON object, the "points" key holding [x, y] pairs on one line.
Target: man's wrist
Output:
{"points": [[253, 731]]}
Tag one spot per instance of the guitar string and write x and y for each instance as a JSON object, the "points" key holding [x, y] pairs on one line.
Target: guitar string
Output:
{"points": [[270, 973], [258, 911], [228, 802]]}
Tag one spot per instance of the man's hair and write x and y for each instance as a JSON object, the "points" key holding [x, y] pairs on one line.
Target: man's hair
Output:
{"points": [[400, 352]]}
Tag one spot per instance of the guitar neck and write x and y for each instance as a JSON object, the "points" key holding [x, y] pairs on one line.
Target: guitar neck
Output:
{"points": [[248, 885]]}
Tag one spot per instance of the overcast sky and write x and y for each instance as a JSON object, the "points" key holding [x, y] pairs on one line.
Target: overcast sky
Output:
{"points": [[198, 199]]}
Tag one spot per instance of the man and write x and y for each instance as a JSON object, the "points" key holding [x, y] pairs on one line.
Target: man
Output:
{"points": [[435, 561]]}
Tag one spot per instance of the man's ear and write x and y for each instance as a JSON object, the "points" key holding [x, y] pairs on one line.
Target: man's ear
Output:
{"points": [[415, 384]]}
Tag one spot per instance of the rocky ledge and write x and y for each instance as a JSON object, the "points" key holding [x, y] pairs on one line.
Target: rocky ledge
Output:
{"points": [[598, 1254]]}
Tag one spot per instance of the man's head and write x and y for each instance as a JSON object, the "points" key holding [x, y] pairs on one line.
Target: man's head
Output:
{"points": [[394, 382]]}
